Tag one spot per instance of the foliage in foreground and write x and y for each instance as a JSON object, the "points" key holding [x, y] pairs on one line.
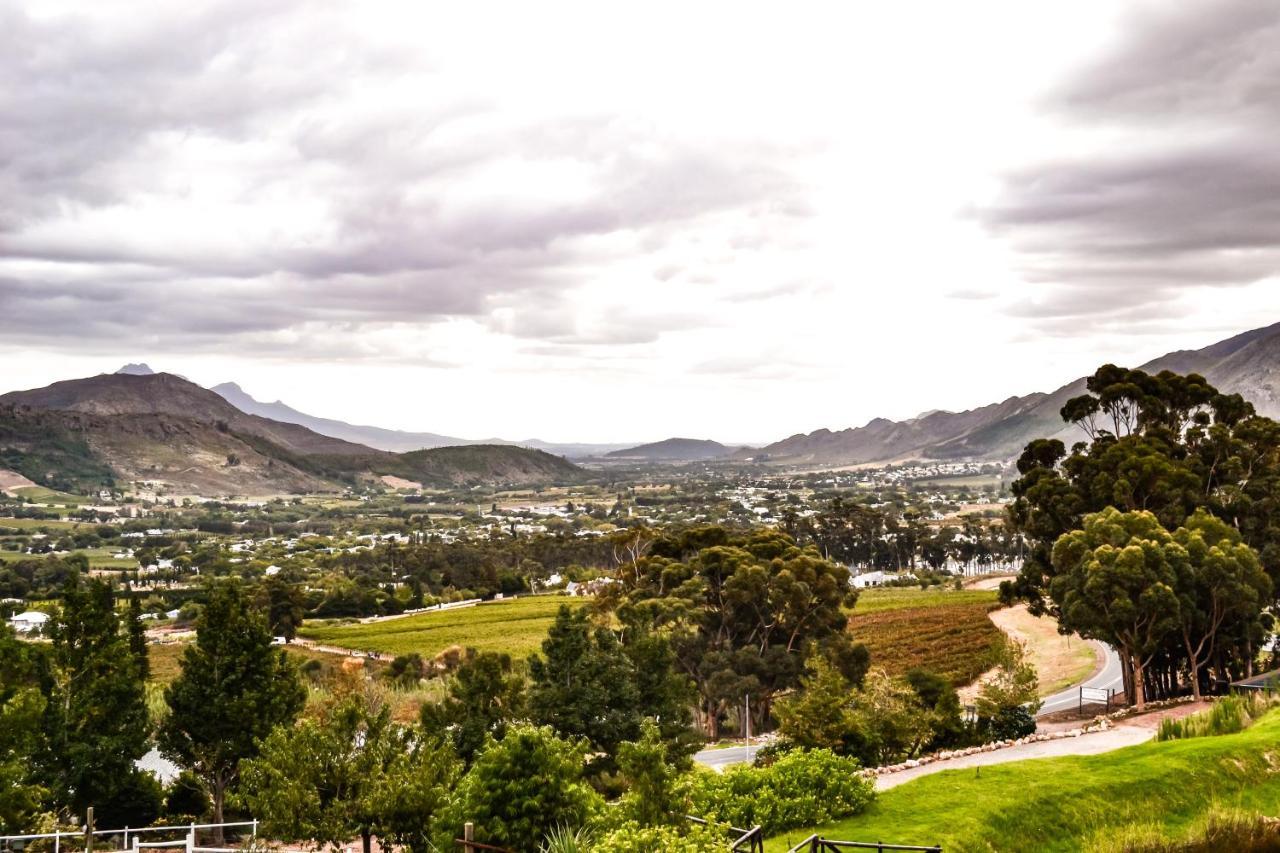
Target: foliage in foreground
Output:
{"points": [[1060, 804], [1234, 830], [1229, 715], [801, 788]]}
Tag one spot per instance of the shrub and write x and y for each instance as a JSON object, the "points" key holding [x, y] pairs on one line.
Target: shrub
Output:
{"points": [[522, 787], [634, 838], [1008, 724], [798, 789]]}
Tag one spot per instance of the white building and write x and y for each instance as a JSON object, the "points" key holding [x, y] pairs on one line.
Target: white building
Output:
{"points": [[29, 622]]}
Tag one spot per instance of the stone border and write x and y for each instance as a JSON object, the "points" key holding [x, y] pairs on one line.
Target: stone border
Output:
{"points": [[1100, 723]]}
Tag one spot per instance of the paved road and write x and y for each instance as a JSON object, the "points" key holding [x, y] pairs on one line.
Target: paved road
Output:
{"points": [[721, 758], [1090, 744], [1109, 677]]}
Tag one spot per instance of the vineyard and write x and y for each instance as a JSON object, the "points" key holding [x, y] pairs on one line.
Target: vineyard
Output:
{"points": [[517, 626], [950, 637]]}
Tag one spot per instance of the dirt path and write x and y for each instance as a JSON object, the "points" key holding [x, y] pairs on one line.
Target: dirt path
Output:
{"points": [[1061, 661]]}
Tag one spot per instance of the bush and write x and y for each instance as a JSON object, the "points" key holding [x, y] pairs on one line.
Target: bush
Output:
{"points": [[522, 787], [1008, 724], [633, 838], [798, 789]]}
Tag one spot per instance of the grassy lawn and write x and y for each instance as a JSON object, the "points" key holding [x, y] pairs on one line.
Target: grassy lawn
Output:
{"points": [[166, 659], [99, 558], [1068, 804], [517, 626]]}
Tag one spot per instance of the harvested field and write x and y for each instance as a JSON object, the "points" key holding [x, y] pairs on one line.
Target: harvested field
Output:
{"points": [[957, 640]]}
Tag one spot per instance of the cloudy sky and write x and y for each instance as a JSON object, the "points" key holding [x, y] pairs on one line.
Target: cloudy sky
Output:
{"points": [[605, 222]]}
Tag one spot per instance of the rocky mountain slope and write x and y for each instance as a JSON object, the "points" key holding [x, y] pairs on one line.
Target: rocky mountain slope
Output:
{"points": [[1247, 364], [158, 427]]}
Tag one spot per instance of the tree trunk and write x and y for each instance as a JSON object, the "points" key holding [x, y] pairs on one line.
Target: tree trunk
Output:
{"points": [[1139, 687], [1195, 670], [366, 840], [219, 798]]}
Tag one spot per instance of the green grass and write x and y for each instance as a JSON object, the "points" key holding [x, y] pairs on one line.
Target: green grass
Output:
{"points": [[1074, 803], [99, 558], [517, 627], [900, 598], [42, 495], [36, 524]]}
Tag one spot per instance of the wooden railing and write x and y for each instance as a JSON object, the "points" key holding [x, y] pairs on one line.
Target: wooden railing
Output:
{"points": [[816, 844]]}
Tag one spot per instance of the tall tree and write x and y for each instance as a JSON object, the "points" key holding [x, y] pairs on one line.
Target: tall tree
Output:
{"points": [[1221, 583], [583, 685], [1115, 581], [21, 795], [485, 695], [234, 688], [351, 771], [96, 725], [138, 638], [284, 604]]}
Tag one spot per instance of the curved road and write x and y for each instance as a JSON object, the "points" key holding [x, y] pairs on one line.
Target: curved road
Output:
{"points": [[1109, 677]]}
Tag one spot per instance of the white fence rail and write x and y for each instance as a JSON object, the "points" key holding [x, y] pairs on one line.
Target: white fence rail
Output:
{"points": [[131, 838]]}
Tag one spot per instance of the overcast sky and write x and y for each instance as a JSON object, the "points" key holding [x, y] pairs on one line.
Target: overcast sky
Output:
{"points": [[617, 222]]}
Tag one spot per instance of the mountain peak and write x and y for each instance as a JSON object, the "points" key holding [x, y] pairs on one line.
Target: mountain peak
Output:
{"points": [[139, 369]]}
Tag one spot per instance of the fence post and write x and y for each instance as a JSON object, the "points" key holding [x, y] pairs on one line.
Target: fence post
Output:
{"points": [[124, 845], [88, 830], [468, 835], [57, 842], [191, 837], [135, 843]]}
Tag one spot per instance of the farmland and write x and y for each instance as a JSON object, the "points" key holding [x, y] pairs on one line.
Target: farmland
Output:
{"points": [[946, 631], [1160, 790], [517, 627]]}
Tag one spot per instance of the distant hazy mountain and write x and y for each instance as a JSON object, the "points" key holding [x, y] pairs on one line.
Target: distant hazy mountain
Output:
{"points": [[142, 369], [160, 427], [382, 439], [673, 450], [396, 441], [1247, 364]]}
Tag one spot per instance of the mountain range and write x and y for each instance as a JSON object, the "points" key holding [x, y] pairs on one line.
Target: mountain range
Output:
{"points": [[145, 426], [1247, 364], [672, 450]]}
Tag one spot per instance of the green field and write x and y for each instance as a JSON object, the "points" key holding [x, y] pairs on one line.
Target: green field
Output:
{"points": [[517, 627], [42, 495], [36, 524], [881, 598], [1074, 803], [99, 558]]}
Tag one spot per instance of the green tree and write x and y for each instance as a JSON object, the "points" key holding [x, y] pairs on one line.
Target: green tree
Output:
{"points": [[740, 610], [95, 718], [484, 696], [653, 797], [234, 688], [21, 709], [1012, 683], [138, 638], [819, 715], [284, 604], [1222, 584], [350, 772], [1115, 581], [521, 788], [583, 685]]}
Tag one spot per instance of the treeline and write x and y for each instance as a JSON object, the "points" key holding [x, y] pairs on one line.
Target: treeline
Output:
{"points": [[1159, 533], [895, 538]]}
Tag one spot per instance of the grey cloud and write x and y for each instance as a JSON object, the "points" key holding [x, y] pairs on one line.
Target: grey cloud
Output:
{"points": [[1188, 193], [82, 108]]}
